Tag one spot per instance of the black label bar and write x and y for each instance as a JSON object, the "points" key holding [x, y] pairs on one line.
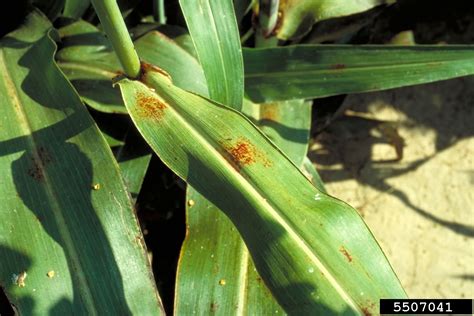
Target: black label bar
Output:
{"points": [[426, 306]]}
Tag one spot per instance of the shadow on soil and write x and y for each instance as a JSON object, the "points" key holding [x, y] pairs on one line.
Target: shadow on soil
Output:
{"points": [[443, 107]]}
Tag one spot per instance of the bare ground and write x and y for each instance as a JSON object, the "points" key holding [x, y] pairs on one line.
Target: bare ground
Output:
{"points": [[405, 159]]}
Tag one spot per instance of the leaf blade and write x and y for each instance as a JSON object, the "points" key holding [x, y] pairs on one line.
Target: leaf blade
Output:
{"points": [[214, 157], [213, 28], [314, 71], [53, 156], [299, 16]]}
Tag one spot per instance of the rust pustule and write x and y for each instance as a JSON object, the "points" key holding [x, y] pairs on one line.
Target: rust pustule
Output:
{"points": [[346, 253], [146, 68], [338, 66], [150, 106], [366, 311], [39, 159], [243, 153]]}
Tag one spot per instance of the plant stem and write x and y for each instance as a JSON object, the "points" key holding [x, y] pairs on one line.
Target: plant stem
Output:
{"points": [[267, 21], [114, 26], [159, 11]]}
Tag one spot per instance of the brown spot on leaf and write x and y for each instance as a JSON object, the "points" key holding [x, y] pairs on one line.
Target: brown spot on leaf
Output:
{"points": [[368, 310], [338, 66], [44, 155], [346, 253], [244, 153], [150, 106], [118, 75], [139, 240], [214, 307], [39, 160], [146, 68]]}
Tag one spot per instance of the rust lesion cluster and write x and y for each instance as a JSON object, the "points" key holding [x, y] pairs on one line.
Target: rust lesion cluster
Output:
{"points": [[345, 253], [150, 106], [40, 158], [243, 153]]}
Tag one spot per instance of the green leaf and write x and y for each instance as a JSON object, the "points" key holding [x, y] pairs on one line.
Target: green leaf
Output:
{"points": [[286, 123], [321, 258], [314, 71], [312, 174], [213, 28], [52, 8], [76, 8], [66, 218], [299, 16], [92, 77], [241, 7], [215, 272], [133, 159]]}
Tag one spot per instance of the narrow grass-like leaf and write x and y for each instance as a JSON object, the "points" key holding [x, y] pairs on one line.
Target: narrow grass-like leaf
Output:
{"points": [[299, 16], [52, 8], [75, 8], [286, 123], [69, 240], [312, 174], [314, 252], [213, 28], [133, 159], [215, 272], [313, 71]]}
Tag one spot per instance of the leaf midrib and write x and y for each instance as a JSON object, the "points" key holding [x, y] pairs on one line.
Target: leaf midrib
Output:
{"points": [[254, 196]]}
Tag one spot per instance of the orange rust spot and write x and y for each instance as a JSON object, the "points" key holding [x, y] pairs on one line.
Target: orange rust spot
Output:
{"points": [[367, 310], [243, 153], [346, 253], [150, 106], [269, 112], [338, 66], [40, 158], [146, 68]]}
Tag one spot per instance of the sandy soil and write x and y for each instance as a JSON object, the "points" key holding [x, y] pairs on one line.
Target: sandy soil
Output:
{"points": [[405, 159]]}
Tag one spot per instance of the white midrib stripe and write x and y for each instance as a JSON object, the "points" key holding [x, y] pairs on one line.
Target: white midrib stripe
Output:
{"points": [[58, 215], [243, 279], [252, 194]]}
